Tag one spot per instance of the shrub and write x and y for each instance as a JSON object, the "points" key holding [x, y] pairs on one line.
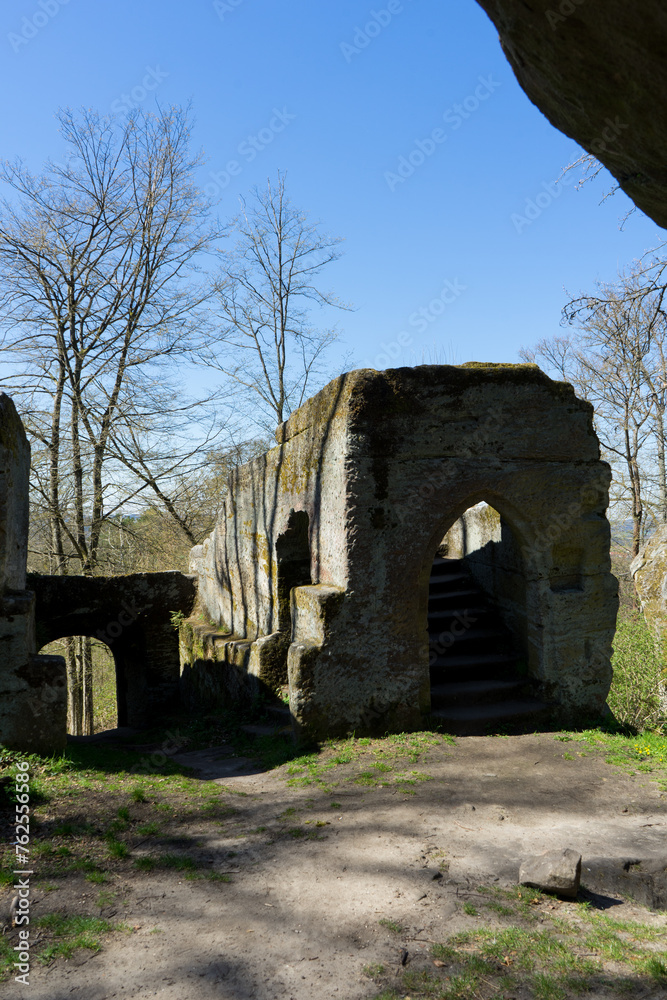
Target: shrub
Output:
{"points": [[638, 674]]}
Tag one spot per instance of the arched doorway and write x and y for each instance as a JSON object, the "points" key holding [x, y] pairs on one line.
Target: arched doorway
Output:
{"points": [[92, 696], [479, 659]]}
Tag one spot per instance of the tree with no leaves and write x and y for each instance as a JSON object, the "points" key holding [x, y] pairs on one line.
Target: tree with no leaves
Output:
{"points": [[266, 346], [618, 361], [99, 297]]}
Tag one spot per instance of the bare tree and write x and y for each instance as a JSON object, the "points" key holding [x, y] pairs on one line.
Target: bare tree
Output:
{"points": [[269, 349], [99, 296], [617, 360]]}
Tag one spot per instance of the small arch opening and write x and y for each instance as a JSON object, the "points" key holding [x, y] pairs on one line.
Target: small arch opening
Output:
{"points": [[92, 691], [478, 625]]}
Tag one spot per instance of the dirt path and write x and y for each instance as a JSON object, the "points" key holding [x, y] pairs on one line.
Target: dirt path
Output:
{"points": [[300, 918]]}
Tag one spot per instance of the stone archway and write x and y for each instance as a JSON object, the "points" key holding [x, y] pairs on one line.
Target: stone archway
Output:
{"points": [[133, 615]]}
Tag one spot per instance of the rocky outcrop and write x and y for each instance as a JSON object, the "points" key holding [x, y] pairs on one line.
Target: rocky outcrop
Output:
{"points": [[597, 70]]}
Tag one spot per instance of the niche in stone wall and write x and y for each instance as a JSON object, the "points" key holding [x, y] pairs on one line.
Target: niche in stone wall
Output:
{"points": [[566, 563], [293, 564]]}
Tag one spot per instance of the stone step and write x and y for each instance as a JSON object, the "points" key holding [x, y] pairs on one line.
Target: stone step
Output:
{"points": [[443, 584], [459, 693], [472, 634], [455, 595], [472, 667], [470, 609], [449, 574], [476, 720]]}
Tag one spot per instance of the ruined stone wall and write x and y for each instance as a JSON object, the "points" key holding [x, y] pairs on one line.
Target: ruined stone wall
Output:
{"points": [[235, 646], [236, 565], [384, 463], [14, 474], [33, 691], [133, 615]]}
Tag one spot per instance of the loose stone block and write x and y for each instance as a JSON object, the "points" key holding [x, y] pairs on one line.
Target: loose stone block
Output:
{"points": [[553, 871]]}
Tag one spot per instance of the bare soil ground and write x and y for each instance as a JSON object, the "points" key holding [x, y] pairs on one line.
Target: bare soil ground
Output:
{"points": [[341, 886]]}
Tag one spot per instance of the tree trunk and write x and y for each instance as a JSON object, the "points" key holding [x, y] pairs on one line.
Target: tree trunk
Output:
{"points": [[86, 657], [662, 483], [74, 700]]}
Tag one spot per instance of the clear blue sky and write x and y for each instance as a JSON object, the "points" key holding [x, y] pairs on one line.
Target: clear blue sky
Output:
{"points": [[347, 113]]}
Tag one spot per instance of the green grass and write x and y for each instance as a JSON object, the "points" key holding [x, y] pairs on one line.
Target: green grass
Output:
{"points": [[534, 954], [635, 754], [177, 862], [148, 829], [144, 864], [366, 762], [391, 925], [71, 932], [97, 878], [116, 848]]}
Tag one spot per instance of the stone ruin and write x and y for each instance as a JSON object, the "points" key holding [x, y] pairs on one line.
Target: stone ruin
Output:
{"points": [[425, 544], [327, 576], [33, 689]]}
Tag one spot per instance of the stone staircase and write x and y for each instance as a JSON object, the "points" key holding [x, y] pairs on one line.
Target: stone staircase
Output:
{"points": [[475, 684]]}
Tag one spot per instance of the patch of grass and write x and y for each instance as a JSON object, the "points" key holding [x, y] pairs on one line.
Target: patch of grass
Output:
{"points": [[499, 908], [644, 753], [379, 754], [73, 932], [177, 862], [66, 829], [144, 864], [149, 829], [365, 778], [116, 848], [373, 971], [289, 813], [470, 910], [656, 968], [97, 878], [391, 925], [124, 814], [552, 961], [138, 794]]}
